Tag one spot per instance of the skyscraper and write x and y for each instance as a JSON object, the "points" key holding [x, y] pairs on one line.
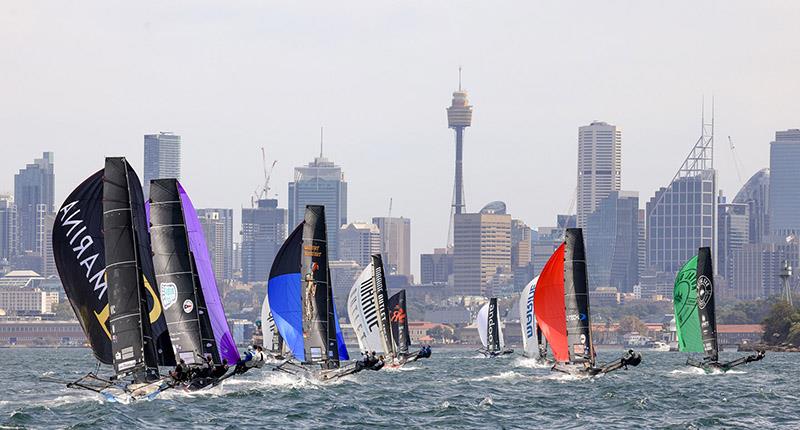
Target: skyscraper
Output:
{"points": [[436, 267], [358, 241], [263, 231], [8, 227], [784, 183], [162, 157], [395, 244], [612, 242], [33, 186], [599, 166], [321, 182], [459, 117], [482, 249], [733, 232], [218, 229], [681, 217]]}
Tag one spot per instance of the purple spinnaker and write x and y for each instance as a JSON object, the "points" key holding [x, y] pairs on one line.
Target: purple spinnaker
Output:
{"points": [[197, 244]]}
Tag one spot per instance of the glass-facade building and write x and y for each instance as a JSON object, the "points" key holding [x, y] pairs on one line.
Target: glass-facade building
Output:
{"points": [[784, 183], [34, 186], [612, 242], [162, 158], [755, 194], [679, 219], [321, 182], [218, 230], [263, 231]]}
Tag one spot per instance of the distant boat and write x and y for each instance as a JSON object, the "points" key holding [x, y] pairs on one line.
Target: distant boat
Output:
{"points": [[561, 306], [534, 345], [192, 305], [490, 330], [380, 322], [101, 247], [695, 315], [301, 301], [657, 345]]}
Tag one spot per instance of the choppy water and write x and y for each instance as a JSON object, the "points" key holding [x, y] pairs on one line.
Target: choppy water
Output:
{"points": [[454, 389]]}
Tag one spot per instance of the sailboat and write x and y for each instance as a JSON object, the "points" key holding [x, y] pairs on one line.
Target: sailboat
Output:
{"points": [[301, 301], [193, 309], [561, 307], [695, 315], [534, 345], [272, 339], [101, 247], [378, 329], [490, 330]]}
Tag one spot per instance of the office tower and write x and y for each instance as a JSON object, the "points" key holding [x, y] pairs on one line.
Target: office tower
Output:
{"points": [[343, 275], [459, 117], [547, 241], [321, 182], [733, 232], [612, 242], [358, 241], [755, 194], [521, 252], [642, 242], [395, 244], [44, 240], [218, 229], [33, 186], [681, 217], [436, 268], [263, 231], [784, 183], [599, 166], [162, 158], [8, 227], [482, 249], [756, 267]]}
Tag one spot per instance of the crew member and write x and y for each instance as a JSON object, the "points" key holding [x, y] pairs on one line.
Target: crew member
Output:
{"points": [[221, 369]]}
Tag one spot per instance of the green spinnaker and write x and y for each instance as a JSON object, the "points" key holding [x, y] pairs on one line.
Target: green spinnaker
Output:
{"points": [[690, 338]]}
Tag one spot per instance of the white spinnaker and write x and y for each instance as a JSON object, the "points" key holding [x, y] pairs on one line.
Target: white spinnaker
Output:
{"points": [[527, 320], [363, 311], [268, 328], [483, 324]]}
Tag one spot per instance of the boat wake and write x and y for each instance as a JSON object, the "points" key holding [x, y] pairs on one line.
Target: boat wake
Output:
{"points": [[531, 363], [505, 376], [694, 371]]}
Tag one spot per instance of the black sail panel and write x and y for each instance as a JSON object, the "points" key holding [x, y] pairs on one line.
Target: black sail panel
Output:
{"points": [[122, 273], [318, 328], [79, 252], [576, 298], [399, 318], [383, 303], [705, 303], [174, 270], [493, 329]]}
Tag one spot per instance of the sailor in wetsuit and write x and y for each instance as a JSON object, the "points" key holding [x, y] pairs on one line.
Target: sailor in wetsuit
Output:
{"points": [[205, 367], [220, 370], [246, 363], [181, 372], [258, 358]]}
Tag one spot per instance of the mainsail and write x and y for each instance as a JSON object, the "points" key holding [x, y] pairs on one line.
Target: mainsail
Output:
{"points": [[300, 294], [489, 326], [705, 303], [398, 315], [687, 321], [527, 320], [561, 301], [367, 306], [140, 341], [192, 306], [79, 253]]}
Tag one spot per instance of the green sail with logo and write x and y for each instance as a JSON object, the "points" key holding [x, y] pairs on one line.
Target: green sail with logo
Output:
{"points": [[690, 338]]}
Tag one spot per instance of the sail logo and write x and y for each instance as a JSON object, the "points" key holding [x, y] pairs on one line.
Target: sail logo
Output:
{"points": [[188, 306], [529, 315], [80, 240], [398, 314], [169, 294], [705, 289], [577, 317]]}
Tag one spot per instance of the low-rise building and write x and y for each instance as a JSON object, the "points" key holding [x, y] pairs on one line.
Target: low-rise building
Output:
{"points": [[34, 331]]}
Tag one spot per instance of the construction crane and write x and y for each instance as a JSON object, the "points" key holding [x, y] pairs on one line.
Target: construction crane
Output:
{"points": [[390, 207], [263, 192], [735, 160]]}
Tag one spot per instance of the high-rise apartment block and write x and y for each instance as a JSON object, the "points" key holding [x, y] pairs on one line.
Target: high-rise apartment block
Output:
{"points": [[263, 231], [599, 166], [218, 230]]}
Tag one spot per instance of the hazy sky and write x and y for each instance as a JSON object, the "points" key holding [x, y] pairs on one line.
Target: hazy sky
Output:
{"points": [[87, 79]]}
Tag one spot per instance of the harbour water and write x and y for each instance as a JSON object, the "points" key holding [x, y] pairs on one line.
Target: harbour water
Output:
{"points": [[455, 389]]}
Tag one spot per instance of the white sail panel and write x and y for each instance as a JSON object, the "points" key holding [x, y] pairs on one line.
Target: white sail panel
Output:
{"points": [[363, 311], [483, 325], [527, 320]]}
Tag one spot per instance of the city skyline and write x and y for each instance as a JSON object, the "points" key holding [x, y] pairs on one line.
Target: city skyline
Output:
{"points": [[542, 96]]}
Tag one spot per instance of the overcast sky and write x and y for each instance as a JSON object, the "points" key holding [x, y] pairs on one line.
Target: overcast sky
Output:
{"points": [[87, 79]]}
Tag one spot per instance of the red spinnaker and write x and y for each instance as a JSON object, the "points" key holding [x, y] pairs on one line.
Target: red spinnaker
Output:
{"points": [[548, 305]]}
